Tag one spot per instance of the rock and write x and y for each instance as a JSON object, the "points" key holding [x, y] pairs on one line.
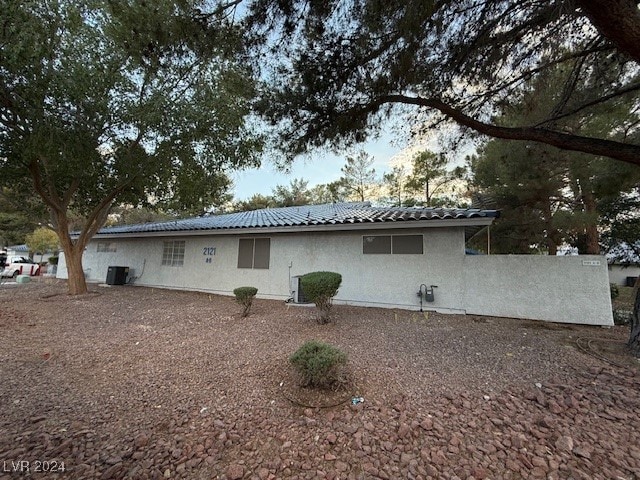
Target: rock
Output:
{"points": [[581, 451], [113, 460], [341, 466], [369, 426], [111, 472], [554, 407], [405, 459], [263, 473], [141, 441], [332, 438], [564, 444], [403, 430], [286, 445], [427, 424], [235, 472]]}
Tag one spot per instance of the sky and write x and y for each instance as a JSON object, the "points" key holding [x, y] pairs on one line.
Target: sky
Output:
{"points": [[317, 168], [388, 150], [392, 147]]}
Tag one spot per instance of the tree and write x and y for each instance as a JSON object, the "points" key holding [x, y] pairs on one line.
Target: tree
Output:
{"points": [[116, 102], [358, 175], [255, 202], [346, 65], [431, 176], [620, 221], [395, 182], [129, 215], [550, 196], [297, 193], [42, 240]]}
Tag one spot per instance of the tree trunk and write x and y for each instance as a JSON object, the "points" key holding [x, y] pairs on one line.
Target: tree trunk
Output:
{"points": [[73, 251], [77, 284], [591, 230], [634, 334]]}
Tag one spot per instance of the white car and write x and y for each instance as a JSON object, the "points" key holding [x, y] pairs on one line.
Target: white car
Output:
{"points": [[20, 266]]}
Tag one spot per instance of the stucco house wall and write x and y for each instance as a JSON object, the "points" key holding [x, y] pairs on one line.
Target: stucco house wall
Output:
{"points": [[560, 289], [618, 273], [385, 280]]}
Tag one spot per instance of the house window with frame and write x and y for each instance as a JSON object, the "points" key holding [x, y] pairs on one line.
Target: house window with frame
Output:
{"points": [[392, 244], [173, 253], [254, 253], [106, 247]]}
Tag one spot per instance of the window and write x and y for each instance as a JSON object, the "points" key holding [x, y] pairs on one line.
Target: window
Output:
{"points": [[173, 253], [254, 253], [407, 244], [106, 247], [396, 244], [376, 244]]}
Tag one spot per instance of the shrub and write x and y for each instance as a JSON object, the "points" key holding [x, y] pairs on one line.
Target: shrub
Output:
{"points": [[622, 317], [245, 296], [319, 364], [53, 260], [615, 291], [320, 288]]}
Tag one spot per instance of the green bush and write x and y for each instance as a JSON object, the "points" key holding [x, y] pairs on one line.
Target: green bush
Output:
{"points": [[53, 260], [245, 296], [319, 364], [320, 288], [615, 291]]}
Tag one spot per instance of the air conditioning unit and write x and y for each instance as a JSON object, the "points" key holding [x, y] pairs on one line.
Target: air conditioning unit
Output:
{"points": [[296, 291]]}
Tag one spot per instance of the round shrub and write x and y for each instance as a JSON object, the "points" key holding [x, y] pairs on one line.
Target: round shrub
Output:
{"points": [[53, 260], [319, 364], [245, 296], [320, 288]]}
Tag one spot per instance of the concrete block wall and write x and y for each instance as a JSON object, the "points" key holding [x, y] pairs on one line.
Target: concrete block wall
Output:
{"points": [[566, 289]]}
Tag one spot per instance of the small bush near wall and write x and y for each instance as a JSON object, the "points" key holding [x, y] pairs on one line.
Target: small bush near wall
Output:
{"points": [[245, 296], [622, 317], [53, 260], [320, 288], [319, 364], [615, 291]]}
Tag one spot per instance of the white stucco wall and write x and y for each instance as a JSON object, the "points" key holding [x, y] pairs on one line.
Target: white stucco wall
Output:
{"points": [[618, 274], [559, 289], [373, 280], [568, 289]]}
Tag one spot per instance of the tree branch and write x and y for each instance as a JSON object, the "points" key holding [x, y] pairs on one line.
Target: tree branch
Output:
{"points": [[624, 152]]}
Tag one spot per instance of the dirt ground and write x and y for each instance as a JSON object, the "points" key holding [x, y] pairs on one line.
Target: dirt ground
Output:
{"points": [[134, 382]]}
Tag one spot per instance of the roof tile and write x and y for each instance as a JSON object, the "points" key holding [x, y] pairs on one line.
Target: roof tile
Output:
{"points": [[327, 214]]}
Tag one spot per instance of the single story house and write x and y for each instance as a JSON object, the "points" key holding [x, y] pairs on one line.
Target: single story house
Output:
{"points": [[385, 255], [624, 264], [23, 251]]}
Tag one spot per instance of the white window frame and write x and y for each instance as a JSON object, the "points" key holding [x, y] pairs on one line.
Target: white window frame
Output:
{"points": [[173, 253]]}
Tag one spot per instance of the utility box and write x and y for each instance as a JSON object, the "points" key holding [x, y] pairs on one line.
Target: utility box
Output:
{"points": [[296, 291], [117, 275]]}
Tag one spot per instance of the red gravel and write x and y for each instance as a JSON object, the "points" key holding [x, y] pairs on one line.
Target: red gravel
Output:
{"points": [[145, 383]]}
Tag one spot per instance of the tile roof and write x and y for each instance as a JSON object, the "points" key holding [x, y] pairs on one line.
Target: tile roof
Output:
{"points": [[307, 215]]}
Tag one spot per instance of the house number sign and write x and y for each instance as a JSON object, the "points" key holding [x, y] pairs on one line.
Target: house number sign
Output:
{"points": [[208, 253]]}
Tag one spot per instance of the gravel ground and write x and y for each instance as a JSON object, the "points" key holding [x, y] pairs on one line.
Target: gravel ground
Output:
{"points": [[133, 382]]}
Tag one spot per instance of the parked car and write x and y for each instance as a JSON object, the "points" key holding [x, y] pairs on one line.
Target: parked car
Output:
{"points": [[20, 266]]}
